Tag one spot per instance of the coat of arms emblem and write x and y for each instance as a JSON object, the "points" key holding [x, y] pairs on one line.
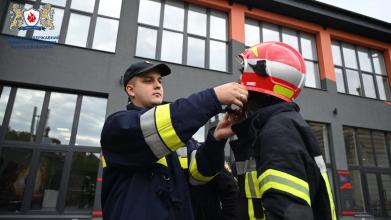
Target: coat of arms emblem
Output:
{"points": [[31, 18]]}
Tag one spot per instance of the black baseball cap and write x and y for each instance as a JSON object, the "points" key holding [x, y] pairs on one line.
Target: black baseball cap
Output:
{"points": [[142, 67]]}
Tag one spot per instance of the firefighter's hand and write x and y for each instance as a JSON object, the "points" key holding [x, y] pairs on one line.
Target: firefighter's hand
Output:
{"points": [[223, 129], [231, 93]]}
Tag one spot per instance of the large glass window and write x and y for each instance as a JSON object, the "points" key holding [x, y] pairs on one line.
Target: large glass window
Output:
{"points": [[81, 186], [379, 144], [47, 181], [357, 191], [187, 34], [386, 183], [79, 23], [14, 168], [321, 134], [59, 120], [83, 5], [350, 144], [146, 42], [360, 71], [4, 95], [196, 52], [25, 115], [368, 157], [111, 8], [368, 146], [60, 126], [92, 116], [170, 53], [365, 146], [78, 30], [104, 31], [256, 32], [374, 201]]}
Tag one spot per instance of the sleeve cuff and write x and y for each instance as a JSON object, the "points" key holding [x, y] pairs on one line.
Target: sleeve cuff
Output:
{"points": [[218, 105]]}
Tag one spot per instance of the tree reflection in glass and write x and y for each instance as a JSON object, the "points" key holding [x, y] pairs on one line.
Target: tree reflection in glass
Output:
{"points": [[25, 115]]}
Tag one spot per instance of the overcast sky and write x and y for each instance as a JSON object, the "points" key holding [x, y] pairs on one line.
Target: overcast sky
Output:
{"points": [[379, 9]]}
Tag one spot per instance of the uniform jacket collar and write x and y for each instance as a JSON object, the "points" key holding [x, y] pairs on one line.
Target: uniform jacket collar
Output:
{"points": [[260, 117], [131, 106]]}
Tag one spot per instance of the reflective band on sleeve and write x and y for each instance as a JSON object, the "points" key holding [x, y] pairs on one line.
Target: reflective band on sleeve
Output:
{"points": [[241, 167], [184, 162], [323, 170], [252, 192], [166, 129], [251, 185], [162, 161], [320, 163], [274, 179], [102, 158], [150, 133], [196, 178], [331, 200]]}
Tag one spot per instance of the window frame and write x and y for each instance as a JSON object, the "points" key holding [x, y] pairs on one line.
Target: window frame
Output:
{"points": [[38, 148], [207, 39], [363, 170], [373, 74]]}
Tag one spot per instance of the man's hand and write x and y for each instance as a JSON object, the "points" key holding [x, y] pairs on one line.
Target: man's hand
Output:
{"points": [[223, 129], [231, 93]]}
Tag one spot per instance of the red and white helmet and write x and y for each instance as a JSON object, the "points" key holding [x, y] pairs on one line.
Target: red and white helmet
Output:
{"points": [[273, 68]]}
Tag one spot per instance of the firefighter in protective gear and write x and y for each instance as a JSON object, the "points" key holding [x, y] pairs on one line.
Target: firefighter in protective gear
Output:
{"points": [[143, 176], [281, 172]]}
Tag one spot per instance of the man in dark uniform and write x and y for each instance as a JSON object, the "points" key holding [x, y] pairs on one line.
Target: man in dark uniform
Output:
{"points": [[144, 178], [281, 172]]}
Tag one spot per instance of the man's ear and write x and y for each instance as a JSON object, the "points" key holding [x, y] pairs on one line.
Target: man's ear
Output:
{"points": [[130, 90]]}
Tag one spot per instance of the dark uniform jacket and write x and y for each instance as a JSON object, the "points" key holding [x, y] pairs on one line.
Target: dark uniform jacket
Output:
{"points": [[216, 200], [144, 178], [281, 172]]}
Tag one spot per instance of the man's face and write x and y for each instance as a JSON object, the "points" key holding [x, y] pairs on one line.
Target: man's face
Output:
{"points": [[146, 90]]}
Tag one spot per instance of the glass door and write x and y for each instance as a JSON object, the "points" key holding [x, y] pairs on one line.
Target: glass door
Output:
{"points": [[378, 194]]}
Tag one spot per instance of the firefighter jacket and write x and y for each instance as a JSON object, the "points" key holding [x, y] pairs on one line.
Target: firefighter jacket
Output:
{"points": [[143, 177], [281, 173], [216, 200]]}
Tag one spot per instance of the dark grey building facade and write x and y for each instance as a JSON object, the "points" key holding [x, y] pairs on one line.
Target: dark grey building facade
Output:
{"points": [[58, 85]]}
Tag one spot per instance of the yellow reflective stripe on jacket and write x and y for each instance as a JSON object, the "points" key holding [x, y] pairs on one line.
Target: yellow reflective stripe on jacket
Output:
{"points": [[158, 131], [331, 200], [151, 135], [196, 178], [251, 185], [184, 162], [252, 192], [162, 161], [102, 158], [251, 213], [274, 179], [323, 170], [166, 129]]}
